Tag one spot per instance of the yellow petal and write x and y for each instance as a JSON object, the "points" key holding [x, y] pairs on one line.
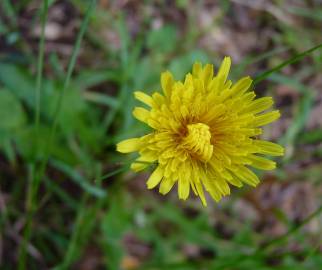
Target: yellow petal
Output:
{"points": [[155, 178], [208, 73], [221, 185], [143, 98], [230, 179], [193, 187], [201, 193], [269, 148], [235, 182], [195, 179], [141, 114], [247, 97], [209, 185], [138, 166], [183, 188], [213, 190], [214, 112], [158, 99], [167, 83], [129, 145], [259, 105], [166, 185], [262, 163], [146, 159], [224, 68], [246, 175], [196, 69], [266, 118], [241, 86]]}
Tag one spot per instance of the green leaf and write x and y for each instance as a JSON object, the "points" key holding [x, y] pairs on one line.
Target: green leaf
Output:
{"points": [[18, 82], [25, 141], [101, 99], [79, 179], [162, 40], [87, 79], [12, 114]]}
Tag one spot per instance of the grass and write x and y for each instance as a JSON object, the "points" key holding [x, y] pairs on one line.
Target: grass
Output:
{"points": [[38, 174], [31, 190], [68, 199]]}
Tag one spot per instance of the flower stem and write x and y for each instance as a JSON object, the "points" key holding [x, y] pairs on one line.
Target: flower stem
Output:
{"points": [[292, 60]]}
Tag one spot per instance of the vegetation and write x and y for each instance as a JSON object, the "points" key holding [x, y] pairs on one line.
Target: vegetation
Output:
{"points": [[68, 70]]}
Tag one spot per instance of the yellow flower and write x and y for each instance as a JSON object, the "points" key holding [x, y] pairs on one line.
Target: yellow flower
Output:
{"points": [[205, 133]]}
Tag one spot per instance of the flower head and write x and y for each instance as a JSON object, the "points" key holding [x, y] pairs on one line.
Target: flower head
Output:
{"points": [[205, 133]]}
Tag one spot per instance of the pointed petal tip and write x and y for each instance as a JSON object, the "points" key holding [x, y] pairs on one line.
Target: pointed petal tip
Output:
{"points": [[144, 98], [184, 198], [282, 153], [167, 82], [253, 183], [227, 58], [137, 94], [155, 178], [141, 114], [149, 186], [203, 201], [128, 146], [196, 64]]}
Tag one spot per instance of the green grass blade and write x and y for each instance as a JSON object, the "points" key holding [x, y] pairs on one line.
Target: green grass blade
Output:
{"points": [[78, 179], [250, 60], [101, 99], [115, 172], [292, 60], [124, 168], [54, 187]]}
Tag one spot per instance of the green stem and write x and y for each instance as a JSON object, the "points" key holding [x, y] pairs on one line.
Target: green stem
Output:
{"points": [[117, 171], [292, 60], [124, 168]]}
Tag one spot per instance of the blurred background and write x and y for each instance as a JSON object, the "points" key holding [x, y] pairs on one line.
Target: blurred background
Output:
{"points": [[116, 223]]}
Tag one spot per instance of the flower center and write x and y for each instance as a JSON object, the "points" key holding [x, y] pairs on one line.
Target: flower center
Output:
{"points": [[197, 141]]}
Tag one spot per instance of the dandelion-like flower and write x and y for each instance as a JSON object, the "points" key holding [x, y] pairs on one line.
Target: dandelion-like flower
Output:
{"points": [[205, 133]]}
